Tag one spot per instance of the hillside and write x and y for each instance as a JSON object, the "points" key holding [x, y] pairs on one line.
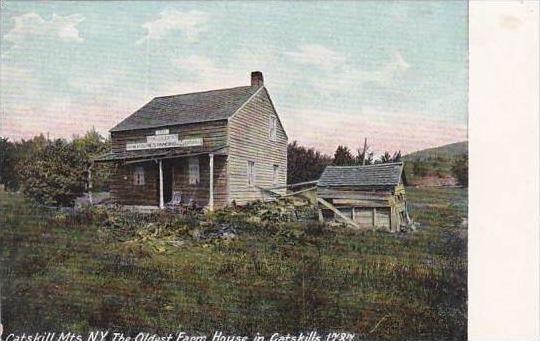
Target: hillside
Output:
{"points": [[433, 166], [449, 151]]}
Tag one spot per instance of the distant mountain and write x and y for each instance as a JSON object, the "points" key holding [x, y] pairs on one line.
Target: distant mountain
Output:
{"points": [[433, 166], [449, 151]]}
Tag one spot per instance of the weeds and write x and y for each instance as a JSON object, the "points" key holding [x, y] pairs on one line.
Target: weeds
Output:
{"points": [[255, 269]]}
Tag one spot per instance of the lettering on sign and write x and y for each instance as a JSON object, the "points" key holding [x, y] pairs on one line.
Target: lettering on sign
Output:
{"points": [[164, 141], [162, 138], [162, 132]]}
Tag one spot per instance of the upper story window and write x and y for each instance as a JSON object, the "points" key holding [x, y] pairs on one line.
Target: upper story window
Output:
{"points": [[138, 176], [251, 173], [275, 175], [273, 128], [194, 171]]}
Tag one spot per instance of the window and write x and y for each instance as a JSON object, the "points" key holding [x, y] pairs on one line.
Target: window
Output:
{"points": [[273, 128], [138, 176], [194, 173], [251, 173], [275, 175]]}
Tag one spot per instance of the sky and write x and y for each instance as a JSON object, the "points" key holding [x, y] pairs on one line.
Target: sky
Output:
{"points": [[392, 71]]}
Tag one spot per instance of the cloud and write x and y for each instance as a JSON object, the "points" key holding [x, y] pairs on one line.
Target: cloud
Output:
{"points": [[189, 23], [33, 25], [355, 78], [317, 55], [200, 73]]}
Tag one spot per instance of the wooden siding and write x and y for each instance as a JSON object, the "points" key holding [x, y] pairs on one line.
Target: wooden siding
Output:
{"points": [[125, 192], [249, 140], [199, 193], [376, 208], [363, 216], [382, 217], [214, 134]]}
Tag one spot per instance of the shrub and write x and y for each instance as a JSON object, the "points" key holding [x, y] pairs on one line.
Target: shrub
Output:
{"points": [[460, 169], [420, 168], [54, 175]]}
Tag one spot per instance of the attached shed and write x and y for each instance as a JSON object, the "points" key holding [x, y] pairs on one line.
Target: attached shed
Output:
{"points": [[370, 196]]}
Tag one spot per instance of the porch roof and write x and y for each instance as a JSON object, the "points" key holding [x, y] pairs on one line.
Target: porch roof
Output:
{"points": [[156, 154]]}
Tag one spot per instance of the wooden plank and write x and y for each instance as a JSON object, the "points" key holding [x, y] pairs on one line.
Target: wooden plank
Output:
{"points": [[293, 193], [336, 211], [295, 185], [269, 191], [361, 203], [299, 192]]}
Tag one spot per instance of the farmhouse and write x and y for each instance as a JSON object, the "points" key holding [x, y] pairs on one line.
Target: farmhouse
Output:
{"points": [[206, 149], [365, 196]]}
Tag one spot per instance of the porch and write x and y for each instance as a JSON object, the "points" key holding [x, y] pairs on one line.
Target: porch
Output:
{"points": [[194, 178]]}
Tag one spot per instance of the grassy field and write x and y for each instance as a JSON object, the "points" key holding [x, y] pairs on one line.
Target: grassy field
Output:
{"points": [[161, 273]]}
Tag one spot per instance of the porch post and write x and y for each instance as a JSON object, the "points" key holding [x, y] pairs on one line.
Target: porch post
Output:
{"points": [[90, 199], [211, 196], [161, 201]]}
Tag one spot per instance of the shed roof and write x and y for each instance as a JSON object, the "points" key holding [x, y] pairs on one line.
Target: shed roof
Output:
{"points": [[195, 107], [384, 174]]}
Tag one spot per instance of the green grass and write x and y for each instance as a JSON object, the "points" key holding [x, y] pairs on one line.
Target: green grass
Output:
{"points": [[62, 272]]}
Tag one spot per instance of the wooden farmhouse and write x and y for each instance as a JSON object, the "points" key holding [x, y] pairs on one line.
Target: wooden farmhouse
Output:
{"points": [[365, 196], [206, 149]]}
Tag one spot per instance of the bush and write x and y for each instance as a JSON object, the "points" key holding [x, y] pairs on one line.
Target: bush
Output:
{"points": [[460, 169], [420, 168], [54, 175]]}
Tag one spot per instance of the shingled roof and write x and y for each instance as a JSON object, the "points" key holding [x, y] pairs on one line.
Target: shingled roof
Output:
{"points": [[188, 108], [384, 174]]}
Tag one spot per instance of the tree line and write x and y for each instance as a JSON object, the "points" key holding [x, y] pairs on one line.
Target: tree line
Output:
{"points": [[54, 171], [305, 164]]}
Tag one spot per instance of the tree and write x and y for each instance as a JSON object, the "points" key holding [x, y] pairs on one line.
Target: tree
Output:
{"points": [[54, 175], [364, 156], [92, 144], [304, 164], [55, 172], [343, 157], [385, 158], [397, 156], [13, 155], [460, 170], [8, 176]]}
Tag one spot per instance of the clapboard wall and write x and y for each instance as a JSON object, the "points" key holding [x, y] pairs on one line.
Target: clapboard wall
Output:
{"points": [[199, 193], [214, 134], [125, 192], [249, 140]]}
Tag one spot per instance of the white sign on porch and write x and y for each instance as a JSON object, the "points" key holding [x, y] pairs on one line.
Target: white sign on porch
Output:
{"points": [[162, 132], [164, 141]]}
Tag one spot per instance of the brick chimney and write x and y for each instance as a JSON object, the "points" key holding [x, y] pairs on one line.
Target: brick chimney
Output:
{"points": [[257, 78]]}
